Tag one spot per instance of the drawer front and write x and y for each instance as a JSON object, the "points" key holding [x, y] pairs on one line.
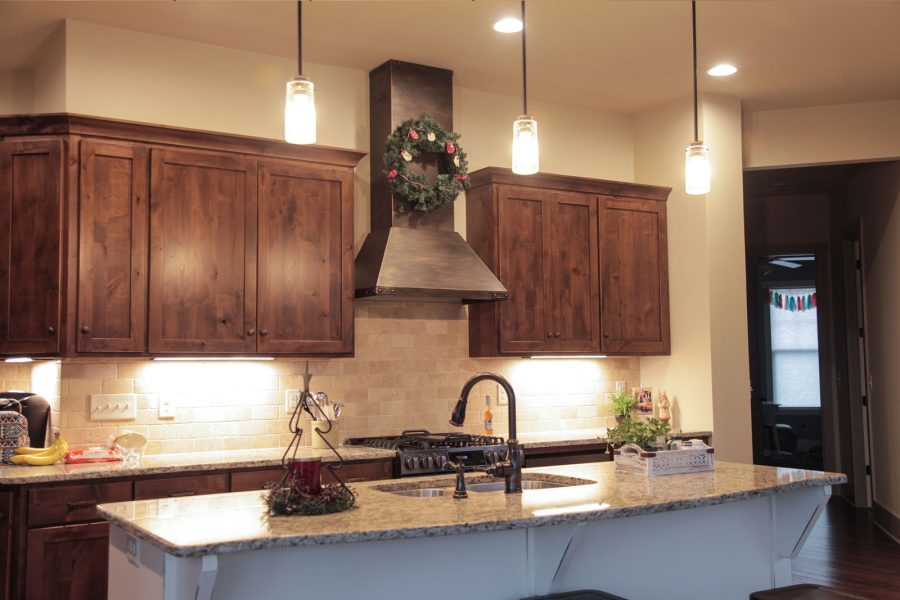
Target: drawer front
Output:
{"points": [[73, 503], [172, 487], [245, 481], [353, 472]]}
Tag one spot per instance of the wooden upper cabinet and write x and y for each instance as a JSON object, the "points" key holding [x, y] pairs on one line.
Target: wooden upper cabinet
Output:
{"points": [[30, 238], [634, 276], [584, 261], [574, 274], [523, 222], [202, 252], [305, 259], [113, 247]]}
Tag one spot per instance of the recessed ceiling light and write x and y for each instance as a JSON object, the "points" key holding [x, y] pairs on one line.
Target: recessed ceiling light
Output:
{"points": [[508, 25], [722, 70]]}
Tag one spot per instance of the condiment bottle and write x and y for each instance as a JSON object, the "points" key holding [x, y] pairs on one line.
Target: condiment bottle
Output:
{"points": [[488, 417]]}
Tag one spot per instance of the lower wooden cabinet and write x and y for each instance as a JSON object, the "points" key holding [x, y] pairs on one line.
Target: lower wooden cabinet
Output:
{"points": [[59, 548], [70, 561]]}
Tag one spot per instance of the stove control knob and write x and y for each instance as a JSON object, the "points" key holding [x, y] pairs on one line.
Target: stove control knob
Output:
{"points": [[411, 463], [439, 461], [426, 462]]}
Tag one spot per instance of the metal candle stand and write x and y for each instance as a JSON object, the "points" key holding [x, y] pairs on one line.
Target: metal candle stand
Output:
{"points": [[308, 403]]}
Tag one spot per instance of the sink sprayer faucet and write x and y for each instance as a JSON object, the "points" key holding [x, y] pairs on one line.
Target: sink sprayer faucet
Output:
{"points": [[511, 468]]}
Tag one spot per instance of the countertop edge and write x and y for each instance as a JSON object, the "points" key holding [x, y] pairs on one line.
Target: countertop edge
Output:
{"points": [[117, 470], [442, 530]]}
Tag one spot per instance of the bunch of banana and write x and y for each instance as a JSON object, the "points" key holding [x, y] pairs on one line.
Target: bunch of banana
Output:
{"points": [[41, 456]]}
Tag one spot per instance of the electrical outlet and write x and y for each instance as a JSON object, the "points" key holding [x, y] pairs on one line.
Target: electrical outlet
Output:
{"points": [[166, 407], [291, 399], [502, 398], [620, 386], [113, 407], [132, 549]]}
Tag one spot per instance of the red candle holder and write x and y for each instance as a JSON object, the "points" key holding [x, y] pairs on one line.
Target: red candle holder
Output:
{"points": [[306, 475]]}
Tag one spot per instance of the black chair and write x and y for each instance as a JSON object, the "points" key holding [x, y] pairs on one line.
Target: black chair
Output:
{"points": [[36, 409], [578, 595], [805, 591]]}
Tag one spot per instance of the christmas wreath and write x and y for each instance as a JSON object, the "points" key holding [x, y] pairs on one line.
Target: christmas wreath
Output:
{"points": [[425, 136]]}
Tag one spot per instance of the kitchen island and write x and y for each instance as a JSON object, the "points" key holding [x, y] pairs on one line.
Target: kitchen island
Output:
{"points": [[719, 534]]}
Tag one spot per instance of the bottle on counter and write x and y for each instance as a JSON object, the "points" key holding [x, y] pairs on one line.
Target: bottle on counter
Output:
{"points": [[488, 417]]}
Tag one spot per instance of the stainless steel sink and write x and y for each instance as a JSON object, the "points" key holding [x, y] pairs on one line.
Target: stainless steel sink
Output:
{"points": [[527, 484], [424, 492], [531, 482]]}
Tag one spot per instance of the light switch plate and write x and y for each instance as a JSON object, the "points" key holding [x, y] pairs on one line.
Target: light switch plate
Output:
{"points": [[133, 549], [113, 407]]}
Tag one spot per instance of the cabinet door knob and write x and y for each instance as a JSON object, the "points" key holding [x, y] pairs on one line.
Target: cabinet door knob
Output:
{"points": [[251, 331], [85, 329], [556, 334], [51, 330], [263, 332], [549, 334]]}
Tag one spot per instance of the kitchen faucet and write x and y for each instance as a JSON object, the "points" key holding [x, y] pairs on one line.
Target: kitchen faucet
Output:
{"points": [[511, 468]]}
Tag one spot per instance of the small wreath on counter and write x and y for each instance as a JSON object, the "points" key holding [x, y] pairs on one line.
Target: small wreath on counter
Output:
{"points": [[424, 136], [284, 501]]}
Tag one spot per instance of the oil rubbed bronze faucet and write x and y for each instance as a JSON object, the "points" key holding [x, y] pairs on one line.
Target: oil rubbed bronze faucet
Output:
{"points": [[511, 468]]}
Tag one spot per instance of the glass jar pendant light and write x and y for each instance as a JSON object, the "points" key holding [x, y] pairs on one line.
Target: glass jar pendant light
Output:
{"points": [[525, 152], [696, 155], [300, 100]]}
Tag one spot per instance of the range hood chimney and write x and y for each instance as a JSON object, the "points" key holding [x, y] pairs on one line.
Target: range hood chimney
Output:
{"points": [[410, 255]]}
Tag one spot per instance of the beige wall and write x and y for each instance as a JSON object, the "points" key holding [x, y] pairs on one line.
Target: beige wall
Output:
{"points": [[707, 373], [15, 92], [727, 279], [411, 362], [49, 75], [686, 375], [872, 194], [822, 134]]}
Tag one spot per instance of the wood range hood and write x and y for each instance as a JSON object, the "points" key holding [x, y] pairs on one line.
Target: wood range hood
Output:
{"points": [[411, 255]]}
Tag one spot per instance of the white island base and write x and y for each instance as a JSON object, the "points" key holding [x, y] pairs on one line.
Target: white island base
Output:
{"points": [[720, 551]]}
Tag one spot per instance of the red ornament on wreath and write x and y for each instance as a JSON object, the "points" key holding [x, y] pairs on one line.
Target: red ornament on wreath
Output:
{"points": [[424, 136]]}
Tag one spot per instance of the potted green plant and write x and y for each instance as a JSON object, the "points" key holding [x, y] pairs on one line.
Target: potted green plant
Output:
{"points": [[641, 432], [623, 403]]}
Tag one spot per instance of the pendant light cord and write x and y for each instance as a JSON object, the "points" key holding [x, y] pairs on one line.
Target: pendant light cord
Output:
{"points": [[299, 37], [694, 31], [524, 70]]}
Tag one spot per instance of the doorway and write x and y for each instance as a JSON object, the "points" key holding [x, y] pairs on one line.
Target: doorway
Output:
{"points": [[786, 362]]}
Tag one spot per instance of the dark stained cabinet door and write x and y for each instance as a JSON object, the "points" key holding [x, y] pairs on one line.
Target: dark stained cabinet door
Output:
{"points": [[523, 266], [305, 259], [202, 252], [634, 276], [574, 274], [30, 218], [69, 562], [113, 248]]}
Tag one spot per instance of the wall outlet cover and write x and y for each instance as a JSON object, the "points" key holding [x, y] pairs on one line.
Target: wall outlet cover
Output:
{"points": [[502, 398], [113, 407], [291, 399], [166, 407]]}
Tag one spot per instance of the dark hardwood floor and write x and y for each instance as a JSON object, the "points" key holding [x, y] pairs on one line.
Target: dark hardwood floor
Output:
{"points": [[845, 551]]}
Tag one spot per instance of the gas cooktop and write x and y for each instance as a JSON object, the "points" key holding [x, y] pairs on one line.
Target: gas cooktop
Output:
{"points": [[421, 452]]}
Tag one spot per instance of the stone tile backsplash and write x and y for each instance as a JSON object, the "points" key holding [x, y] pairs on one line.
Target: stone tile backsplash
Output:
{"points": [[411, 361]]}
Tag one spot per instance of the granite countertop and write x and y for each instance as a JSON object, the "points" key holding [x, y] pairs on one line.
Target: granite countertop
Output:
{"points": [[238, 522], [175, 463], [579, 437]]}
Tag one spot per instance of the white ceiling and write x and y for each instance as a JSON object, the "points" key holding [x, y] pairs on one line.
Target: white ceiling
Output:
{"points": [[616, 55]]}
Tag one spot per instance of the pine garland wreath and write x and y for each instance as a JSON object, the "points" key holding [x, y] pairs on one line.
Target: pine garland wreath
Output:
{"points": [[424, 136]]}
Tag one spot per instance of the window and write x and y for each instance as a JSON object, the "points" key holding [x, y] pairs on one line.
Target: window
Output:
{"points": [[795, 353]]}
